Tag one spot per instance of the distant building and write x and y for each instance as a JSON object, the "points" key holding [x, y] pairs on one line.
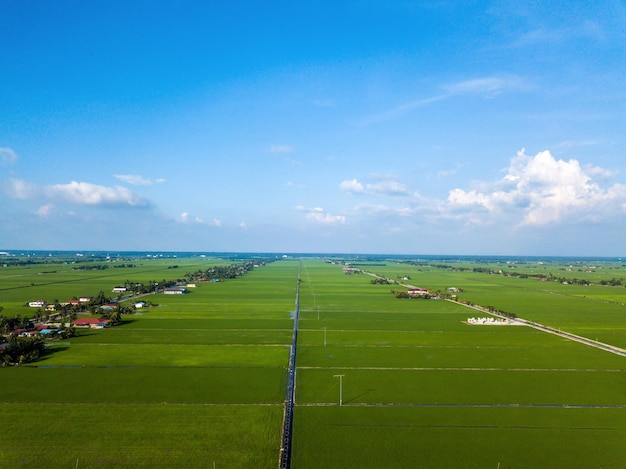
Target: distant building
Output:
{"points": [[175, 291], [94, 323], [70, 303], [417, 292], [37, 304], [119, 289]]}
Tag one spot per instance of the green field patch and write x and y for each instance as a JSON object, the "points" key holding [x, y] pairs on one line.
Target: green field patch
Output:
{"points": [[107, 354], [462, 386], [148, 322], [187, 336], [144, 385], [470, 337], [563, 354], [140, 436], [409, 437]]}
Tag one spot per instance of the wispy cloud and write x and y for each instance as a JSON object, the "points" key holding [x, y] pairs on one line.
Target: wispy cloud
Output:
{"points": [[386, 186], [81, 193], [319, 215], [185, 218], [281, 149], [588, 30], [137, 180], [488, 87], [7, 156], [45, 210], [401, 110]]}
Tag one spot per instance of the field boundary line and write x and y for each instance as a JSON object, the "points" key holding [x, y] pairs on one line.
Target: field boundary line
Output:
{"points": [[383, 368], [509, 405]]}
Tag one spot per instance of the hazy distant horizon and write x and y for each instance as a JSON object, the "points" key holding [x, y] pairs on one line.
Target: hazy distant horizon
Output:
{"points": [[282, 254]]}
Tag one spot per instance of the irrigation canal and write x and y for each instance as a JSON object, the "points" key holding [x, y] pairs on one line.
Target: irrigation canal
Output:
{"points": [[285, 449]]}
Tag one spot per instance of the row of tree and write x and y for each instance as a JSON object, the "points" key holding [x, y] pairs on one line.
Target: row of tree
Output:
{"points": [[21, 350]]}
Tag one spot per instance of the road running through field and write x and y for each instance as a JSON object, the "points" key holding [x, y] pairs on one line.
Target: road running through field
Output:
{"points": [[551, 330], [535, 325], [285, 449]]}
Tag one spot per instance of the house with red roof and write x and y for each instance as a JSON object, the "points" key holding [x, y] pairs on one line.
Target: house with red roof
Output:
{"points": [[94, 323]]}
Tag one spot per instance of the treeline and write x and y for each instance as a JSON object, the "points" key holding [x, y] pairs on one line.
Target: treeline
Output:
{"points": [[8, 324], [549, 277], [91, 267], [19, 350], [380, 281], [224, 272]]}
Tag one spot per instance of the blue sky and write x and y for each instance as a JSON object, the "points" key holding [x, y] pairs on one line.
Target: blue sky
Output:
{"points": [[416, 127]]}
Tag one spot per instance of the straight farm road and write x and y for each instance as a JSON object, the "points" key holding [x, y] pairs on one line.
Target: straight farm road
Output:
{"points": [[285, 450], [550, 330]]}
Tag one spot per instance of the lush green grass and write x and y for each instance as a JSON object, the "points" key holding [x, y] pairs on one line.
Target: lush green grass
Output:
{"points": [[428, 437], [137, 385], [201, 377], [140, 435], [444, 393], [462, 387]]}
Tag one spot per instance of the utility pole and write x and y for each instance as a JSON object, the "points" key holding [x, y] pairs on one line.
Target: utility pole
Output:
{"points": [[340, 388], [324, 336]]}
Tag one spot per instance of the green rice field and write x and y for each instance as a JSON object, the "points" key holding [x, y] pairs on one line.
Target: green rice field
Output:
{"points": [[200, 379]]}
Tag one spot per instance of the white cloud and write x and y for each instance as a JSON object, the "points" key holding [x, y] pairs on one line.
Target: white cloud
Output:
{"points": [[353, 187], [538, 190], [7, 156], [385, 186], [45, 210], [137, 180], [318, 215], [93, 194], [82, 193], [185, 217], [459, 197], [243, 225], [388, 187], [544, 190], [19, 189]]}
